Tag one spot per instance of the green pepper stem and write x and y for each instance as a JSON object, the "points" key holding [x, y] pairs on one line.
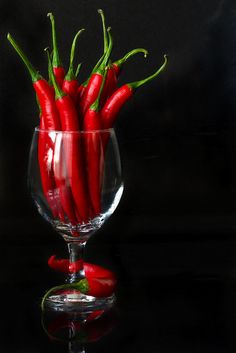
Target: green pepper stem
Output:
{"points": [[135, 85], [85, 83], [81, 285], [56, 62], [105, 38], [58, 92], [133, 52], [71, 74], [108, 53], [35, 76], [78, 69]]}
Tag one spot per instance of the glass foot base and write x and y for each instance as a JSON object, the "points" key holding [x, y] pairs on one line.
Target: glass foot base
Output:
{"points": [[75, 301]]}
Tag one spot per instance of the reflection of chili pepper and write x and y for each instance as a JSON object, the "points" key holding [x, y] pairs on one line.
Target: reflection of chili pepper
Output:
{"points": [[91, 270], [96, 325], [58, 69], [120, 96]]}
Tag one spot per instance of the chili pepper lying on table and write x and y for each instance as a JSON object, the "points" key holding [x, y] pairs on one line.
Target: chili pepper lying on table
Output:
{"points": [[91, 270], [96, 287], [99, 282]]}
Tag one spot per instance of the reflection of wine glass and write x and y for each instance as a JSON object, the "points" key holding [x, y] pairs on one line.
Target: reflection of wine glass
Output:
{"points": [[76, 183], [77, 329]]}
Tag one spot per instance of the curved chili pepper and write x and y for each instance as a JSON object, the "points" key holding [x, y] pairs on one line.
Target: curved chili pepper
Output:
{"points": [[114, 71], [50, 121], [70, 84], [91, 270], [43, 91], [72, 149], [113, 105], [92, 90], [96, 287], [58, 69], [118, 64]]}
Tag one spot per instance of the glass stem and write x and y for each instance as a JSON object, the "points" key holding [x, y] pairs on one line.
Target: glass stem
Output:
{"points": [[76, 252]]}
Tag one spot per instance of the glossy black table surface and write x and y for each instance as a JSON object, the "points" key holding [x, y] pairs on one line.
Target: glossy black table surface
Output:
{"points": [[176, 292]]}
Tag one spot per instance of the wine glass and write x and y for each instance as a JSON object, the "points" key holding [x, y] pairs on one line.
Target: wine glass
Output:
{"points": [[76, 182]]}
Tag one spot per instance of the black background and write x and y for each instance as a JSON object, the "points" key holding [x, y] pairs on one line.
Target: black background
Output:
{"points": [[171, 240]]}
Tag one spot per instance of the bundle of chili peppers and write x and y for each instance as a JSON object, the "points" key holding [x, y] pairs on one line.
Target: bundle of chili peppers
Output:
{"points": [[67, 105]]}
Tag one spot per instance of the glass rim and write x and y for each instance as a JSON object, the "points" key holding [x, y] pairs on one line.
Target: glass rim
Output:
{"points": [[110, 130]]}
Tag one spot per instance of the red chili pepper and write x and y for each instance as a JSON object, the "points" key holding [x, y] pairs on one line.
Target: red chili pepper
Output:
{"points": [[70, 83], [113, 105], [94, 152], [43, 91], [118, 64], [91, 270], [92, 90], [96, 271], [82, 87], [65, 196], [96, 287], [45, 155], [58, 69], [113, 74], [49, 121], [72, 149], [61, 265]]}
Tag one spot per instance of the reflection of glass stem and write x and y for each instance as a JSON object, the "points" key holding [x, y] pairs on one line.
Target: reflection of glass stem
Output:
{"points": [[74, 346]]}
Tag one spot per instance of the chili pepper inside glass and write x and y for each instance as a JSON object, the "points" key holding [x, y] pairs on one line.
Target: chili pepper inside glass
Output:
{"points": [[76, 182]]}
